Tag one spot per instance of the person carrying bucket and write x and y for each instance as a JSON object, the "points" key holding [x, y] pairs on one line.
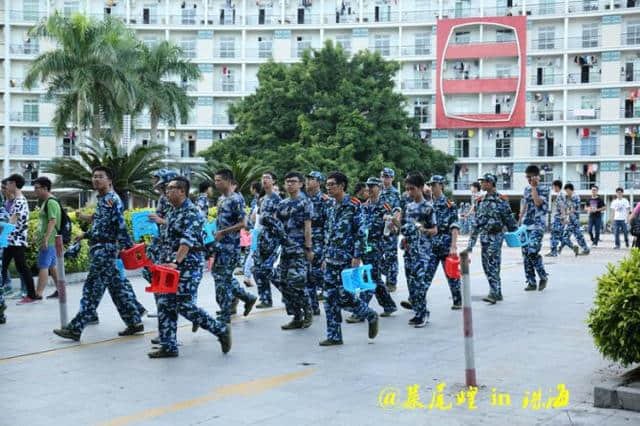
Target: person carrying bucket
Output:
{"points": [[493, 214]]}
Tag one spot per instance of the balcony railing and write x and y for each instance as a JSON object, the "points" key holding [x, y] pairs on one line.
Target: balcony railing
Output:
{"points": [[541, 150], [493, 152], [263, 52], [24, 148], [585, 185], [580, 42], [273, 19], [383, 16], [583, 150], [24, 117], [470, 152], [630, 39], [66, 151], [226, 53], [251, 85], [157, 19], [416, 84], [385, 51], [189, 87], [188, 53], [230, 86], [222, 120], [546, 44], [465, 75], [578, 78], [502, 11], [420, 15], [306, 19], [548, 115], [546, 80], [631, 76], [416, 50], [18, 82], [186, 20], [337, 18], [630, 148], [25, 49], [631, 113], [460, 12], [584, 114], [631, 182], [504, 185], [461, 186], [27, 15], [586, 6], [298, 49], [544, 9]]}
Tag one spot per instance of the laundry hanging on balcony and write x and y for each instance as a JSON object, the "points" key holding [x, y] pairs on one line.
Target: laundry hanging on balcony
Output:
{"points": [[631, 131], [585, 60], [634, 94]]}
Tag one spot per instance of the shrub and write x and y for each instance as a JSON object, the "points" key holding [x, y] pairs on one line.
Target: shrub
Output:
{"points": [[615, 320]]}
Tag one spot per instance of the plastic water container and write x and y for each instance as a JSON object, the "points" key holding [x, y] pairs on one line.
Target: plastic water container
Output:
{"points": [[142, 225], [210, 230], [517, 238], [120, 267], [163, 280], [7, 228], [255, 233], [452, 267], [354, 279], [135, 257]]}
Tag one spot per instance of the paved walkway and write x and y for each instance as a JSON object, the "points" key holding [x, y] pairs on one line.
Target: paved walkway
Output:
{"points": [[528, 342]]}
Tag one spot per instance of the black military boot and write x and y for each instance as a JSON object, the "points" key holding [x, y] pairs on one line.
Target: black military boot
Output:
{"points": [[248, 305], [308, 318], [225, 340], [294, 324], [67, 333], [132, 329], [234, 306], [162, 353]]}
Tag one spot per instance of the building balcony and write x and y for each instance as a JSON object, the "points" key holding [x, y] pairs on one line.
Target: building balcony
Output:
{"points": [[186, 20], [420, 16], [579, 78], [385, 51], [30, 16], [189, 53], [585, 184], [630, 76], [18, 83], [383, 16], [460, 12], [630, 148], [504, 184], [497, 153], [584, 114], [546, 80], [260, 19], [22, 117], [416, 50], [66, 151], [501, 11], [546, 115], [231, 17], [24, 148], [142, 19], [581, 42], [226, 53], [222, 120], [630, 39], [482, 49], [416, 85], [337, 18], [462, 185], [545, 9], [305, 19], [25, 49], [630, 182], [188, 86], [546, 44], [480, 85], [586, 6], [583, 150], [542, 149], [464, 151], [263, 52], [228, 86], [629, 113], [252, 85]]}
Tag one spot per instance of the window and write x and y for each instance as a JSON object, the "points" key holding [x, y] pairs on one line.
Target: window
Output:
{"points": [[631, 145], [383, 44], [504, 36], [188, 48], [462, 37], [30, 142], [462, 144], [421, 110], [590, 35], [633, 33], [589, 146], [30, 10], [30, 110], [70, 7], [422, 76], [150, 42], [503, 71], [69, 147], [228, 80], [547, 37], [345, 42], [188, 14], [228, 47], [265, 47], [503, 143], [423, 44], [547, 7], [301, 45], [631, 179], [589, 5]]}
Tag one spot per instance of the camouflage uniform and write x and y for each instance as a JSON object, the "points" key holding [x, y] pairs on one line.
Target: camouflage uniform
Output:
{"points": [[493, 214], [573, 227], [475, 199], [557, 225], [184, 227], [4, 218], [390, 196], [345, 241], [227, 254], [418, 246], [374, 213], [267, 252], [108, 234], [447, 220], [202, 203], [292, 271], [534, 221], [321, 205]]}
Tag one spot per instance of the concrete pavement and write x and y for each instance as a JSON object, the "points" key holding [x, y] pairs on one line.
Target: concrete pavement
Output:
{"points": [[531, 341]]}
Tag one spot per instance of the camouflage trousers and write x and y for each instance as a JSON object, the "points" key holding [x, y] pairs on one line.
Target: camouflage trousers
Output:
{"points": [[415, 269], [389, 266], [263, 274], [291, 280], [557, 231], [438, 256], [491, 260], [531, 256], [573, 228], [315, 280], [227, 287], [383, 297]]}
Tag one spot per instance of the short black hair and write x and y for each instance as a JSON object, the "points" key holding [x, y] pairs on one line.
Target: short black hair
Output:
{"points": [[415, 178], [183, 183], [532, 169], [256, 186], [17, 179], [359, 187], [272, 174], [226, 174], [568, 186], [619, 189], [204, 186], [557, 183], [340, 178], [107, 171], [294, 174], [595, 186], [476, 185], [4, 181], [44, 182]]}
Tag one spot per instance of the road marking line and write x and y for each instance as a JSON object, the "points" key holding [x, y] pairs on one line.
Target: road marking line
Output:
{"points": [[251, 388]]}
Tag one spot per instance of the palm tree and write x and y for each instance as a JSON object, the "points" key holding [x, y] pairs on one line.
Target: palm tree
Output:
{"points": [[132, 170], [244, 172], [164, 99], [89, 74]]}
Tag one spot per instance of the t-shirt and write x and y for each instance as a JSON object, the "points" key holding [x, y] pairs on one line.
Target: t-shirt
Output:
{"points": [[636, 211], [20, 208], [52, 211], [595, 203], [620, 208]]}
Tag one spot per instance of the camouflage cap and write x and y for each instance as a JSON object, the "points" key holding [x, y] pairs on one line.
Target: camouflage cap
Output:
{"points": [[388, 172], [374, 181], [437, 179], [317, 176], [489, 177]]}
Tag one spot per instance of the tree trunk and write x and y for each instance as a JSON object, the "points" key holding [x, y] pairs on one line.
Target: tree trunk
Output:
{"points": [[96, 122], [79, 121], [154, 128]]}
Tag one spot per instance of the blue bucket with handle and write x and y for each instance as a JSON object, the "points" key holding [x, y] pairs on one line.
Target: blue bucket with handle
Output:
{"points": [[354, 279], [517, 238]]}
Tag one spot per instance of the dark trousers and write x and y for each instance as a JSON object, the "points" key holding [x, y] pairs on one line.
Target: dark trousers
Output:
{"points": [[18, 254], [620, 226], [595, 224]]}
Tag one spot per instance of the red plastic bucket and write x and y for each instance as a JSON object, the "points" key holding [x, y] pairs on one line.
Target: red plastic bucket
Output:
{"points": [[452, 267], [135, 257], [163, 280]]}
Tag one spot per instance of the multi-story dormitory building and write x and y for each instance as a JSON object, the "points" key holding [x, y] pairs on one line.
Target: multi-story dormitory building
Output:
{"points": [[498, 83]]}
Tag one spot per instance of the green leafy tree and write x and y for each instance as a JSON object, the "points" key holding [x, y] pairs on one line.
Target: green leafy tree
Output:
{"points": [[132, 170], [89, 74], [329, 112], [244, 172], [164, 99]]}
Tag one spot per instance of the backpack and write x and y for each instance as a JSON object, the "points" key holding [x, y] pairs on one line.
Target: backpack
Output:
{"points": [[635, 226], [65, 222]]}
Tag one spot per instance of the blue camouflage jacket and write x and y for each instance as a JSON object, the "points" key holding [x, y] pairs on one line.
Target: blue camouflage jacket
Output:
{"points": [[534, 216], [184, 227], [346, 232], [293, 212], [108, 222]]}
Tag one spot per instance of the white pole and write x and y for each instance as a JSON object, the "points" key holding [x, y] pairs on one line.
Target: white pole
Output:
{"points": [[469, 357]]}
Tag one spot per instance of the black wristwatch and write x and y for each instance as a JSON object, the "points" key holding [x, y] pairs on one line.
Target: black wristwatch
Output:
{"points": [[307, 249]]}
